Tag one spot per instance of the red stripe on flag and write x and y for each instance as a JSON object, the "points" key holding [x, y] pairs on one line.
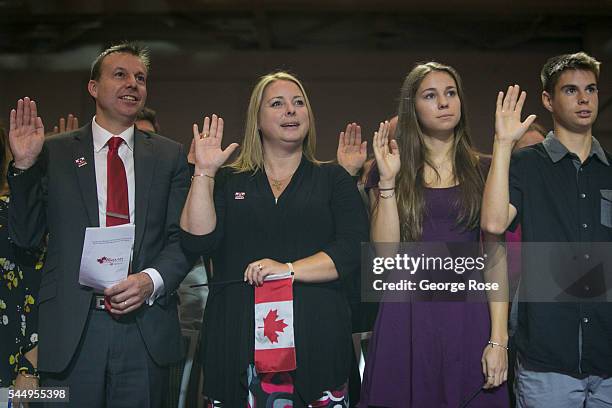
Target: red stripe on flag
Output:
{"points": [[274, 291], [275, 360]]}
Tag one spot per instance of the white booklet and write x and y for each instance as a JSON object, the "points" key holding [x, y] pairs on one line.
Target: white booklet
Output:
{"points": [[106, 255]]}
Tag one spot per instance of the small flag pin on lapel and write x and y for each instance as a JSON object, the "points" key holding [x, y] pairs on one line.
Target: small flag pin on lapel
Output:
{"points": [[239, 195], [80, 162]]}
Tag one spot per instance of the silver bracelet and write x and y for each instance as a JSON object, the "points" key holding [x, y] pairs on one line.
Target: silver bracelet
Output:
{"points": [[493, 343], [202, 175]]}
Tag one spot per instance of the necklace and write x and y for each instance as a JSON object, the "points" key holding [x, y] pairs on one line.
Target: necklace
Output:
{"points": [[278, 184]]}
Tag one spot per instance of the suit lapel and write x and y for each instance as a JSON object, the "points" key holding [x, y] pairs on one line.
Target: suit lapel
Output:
{"points": [[85, 167], [144, 167]]}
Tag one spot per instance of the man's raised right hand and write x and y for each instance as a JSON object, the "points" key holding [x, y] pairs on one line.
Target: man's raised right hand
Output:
{"points": [[26, 134], [508, 126]]}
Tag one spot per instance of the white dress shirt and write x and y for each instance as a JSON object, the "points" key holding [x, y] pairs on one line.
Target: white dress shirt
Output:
{"points": [[126, 152]]}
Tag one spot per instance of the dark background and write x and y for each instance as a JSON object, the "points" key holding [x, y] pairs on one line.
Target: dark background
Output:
{"points": [[351, 55]]}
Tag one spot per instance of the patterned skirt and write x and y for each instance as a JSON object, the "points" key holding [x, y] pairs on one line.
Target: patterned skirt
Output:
{"points": [[276, 390]]}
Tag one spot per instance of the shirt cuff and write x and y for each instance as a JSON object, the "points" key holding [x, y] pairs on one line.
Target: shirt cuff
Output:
{"points": [[158, 285]]}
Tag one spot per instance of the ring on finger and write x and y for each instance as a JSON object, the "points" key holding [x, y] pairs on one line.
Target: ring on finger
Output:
{"points": [[204, 135], [259, 266]]}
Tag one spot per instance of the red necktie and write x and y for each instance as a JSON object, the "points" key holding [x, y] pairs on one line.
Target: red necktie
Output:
{"points": [[117, 204]]}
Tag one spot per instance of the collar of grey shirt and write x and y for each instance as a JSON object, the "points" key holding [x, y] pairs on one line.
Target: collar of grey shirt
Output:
{"points": [[556, 150]]}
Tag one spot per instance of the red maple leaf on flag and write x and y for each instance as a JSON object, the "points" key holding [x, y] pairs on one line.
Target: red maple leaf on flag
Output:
{"points": [[272, 325]]}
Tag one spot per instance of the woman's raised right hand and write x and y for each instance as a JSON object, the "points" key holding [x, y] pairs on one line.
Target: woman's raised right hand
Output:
{"points": [[209, 156], [387, 155]]}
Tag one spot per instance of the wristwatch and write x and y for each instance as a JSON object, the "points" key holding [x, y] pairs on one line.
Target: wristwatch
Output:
{"points": [[27, 369], [14, 171]]}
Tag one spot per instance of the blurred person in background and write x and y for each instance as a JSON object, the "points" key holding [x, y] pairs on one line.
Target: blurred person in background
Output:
{"points": [[20, 272], [192, 300]]}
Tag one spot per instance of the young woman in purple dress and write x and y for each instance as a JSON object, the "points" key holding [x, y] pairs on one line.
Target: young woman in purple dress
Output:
{"points": [[427, 186]]}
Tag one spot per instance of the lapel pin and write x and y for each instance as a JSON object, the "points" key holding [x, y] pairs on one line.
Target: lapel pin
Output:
{"points": [[80, 162], [239, 195]]}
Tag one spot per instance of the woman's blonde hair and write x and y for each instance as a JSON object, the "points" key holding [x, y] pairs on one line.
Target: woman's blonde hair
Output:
{"points": [[251, 157], [414, 154]]}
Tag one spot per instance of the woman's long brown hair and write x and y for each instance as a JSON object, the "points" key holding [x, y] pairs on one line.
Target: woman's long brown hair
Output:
{"points": [[414, 154]]}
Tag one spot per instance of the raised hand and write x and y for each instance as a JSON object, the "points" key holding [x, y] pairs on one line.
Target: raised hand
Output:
{"points": [[387, 155], [66, 125], [352, 152], [208, 153], [26, 133], [508, 125], [191, 155]]}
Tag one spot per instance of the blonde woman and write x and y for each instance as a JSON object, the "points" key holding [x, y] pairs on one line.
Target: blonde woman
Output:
{"points": [[273, 209]]}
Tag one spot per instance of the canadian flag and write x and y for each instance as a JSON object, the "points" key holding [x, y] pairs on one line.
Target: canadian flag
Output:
{"points": [[274, 340]]}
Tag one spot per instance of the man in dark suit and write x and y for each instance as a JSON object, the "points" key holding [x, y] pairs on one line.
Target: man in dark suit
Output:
{"points": [[110, 348]]}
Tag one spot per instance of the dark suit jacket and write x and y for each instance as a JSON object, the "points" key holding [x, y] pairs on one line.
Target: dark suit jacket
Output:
{"points": [[59, 197]]}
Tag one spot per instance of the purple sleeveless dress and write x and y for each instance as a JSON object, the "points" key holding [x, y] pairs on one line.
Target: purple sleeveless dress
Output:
{"points": [[427, 354]]}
